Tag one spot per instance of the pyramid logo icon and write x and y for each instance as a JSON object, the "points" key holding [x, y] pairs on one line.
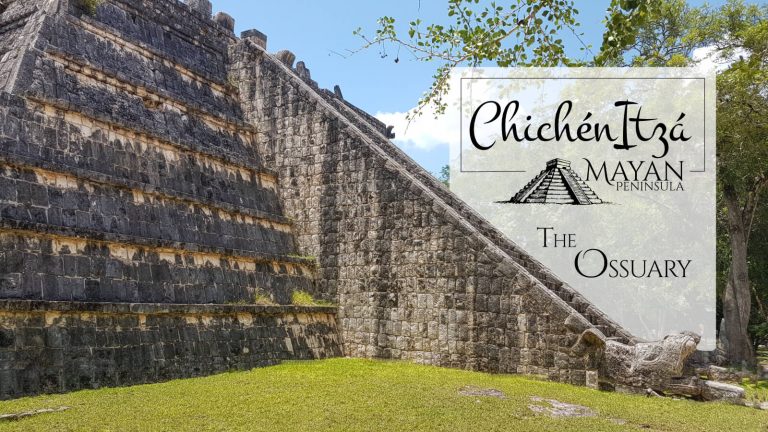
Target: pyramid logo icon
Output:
{"points": [[557, 184]]}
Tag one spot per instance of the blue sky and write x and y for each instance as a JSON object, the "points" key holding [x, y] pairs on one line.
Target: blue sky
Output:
{"points": [[317, 30]]}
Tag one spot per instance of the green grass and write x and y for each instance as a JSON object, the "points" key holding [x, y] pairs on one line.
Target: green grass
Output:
{"points": [[303, 298], [350, 394], [263, 300], [757, 391], [90, 6]]}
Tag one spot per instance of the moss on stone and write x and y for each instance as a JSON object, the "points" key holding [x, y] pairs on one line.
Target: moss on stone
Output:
{"points": [[90, 6]]}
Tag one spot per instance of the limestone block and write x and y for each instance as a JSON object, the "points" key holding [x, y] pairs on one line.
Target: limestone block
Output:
{"points": [[202, 7], [225, 20], [287, 57], [714, 390], [303, 72], [255, 36]]}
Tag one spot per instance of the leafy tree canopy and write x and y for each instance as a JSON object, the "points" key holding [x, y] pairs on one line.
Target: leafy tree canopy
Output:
{"points": [[520, 33]]}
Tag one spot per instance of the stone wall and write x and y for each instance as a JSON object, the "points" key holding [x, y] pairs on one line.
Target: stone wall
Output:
{"points": [[129, 177], [19, 23], [57, 347], [378, 136], [125, 151], [413, 277]]}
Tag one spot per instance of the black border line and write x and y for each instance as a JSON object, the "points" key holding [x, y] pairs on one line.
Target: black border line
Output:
{"points": [[461, 116]]}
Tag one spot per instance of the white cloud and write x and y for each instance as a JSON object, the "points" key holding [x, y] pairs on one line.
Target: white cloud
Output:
{"points": [[424, 133], [709, 58]]}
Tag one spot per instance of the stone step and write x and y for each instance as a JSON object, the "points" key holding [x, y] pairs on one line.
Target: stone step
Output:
{"points": [[71, 266], [199, 44], [497, 238], [155, 95], [71, 203], [58, 175]]}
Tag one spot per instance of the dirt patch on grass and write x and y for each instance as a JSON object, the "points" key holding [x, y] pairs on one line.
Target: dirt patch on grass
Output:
{"points": [[477, 391], [555, 408], [21, 415]]}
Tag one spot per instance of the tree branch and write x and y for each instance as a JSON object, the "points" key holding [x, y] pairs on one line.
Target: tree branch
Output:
{"points": [[750, 206]]}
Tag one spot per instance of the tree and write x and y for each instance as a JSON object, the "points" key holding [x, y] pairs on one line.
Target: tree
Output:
{"points": [[624, 20], [667, 36], [758, 275], [444, 176], [526, 32], [742, 134], [662, 33]]}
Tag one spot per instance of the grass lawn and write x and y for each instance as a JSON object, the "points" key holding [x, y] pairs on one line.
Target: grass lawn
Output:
{"points": [[351, 394]]}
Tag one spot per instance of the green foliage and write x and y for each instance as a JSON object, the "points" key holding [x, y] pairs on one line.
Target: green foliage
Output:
{"points": [[520, 33], [262, 299], [759, 332], [445, 175], [742, 139], [742, 102], [625, 18], [758, 274], [658, 33], [524, 32], [355, 394], [90, 6], [666, 36], [302, 298]]}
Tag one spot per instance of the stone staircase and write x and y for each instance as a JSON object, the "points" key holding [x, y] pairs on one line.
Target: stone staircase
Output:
{"points": [[573, 298]]}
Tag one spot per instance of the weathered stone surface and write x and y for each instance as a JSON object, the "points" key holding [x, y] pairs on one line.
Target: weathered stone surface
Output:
{"points": [[27, 414], [485, 392], [713, 390], [202, 7], [303, 71], [643, 365], [287, 57], [414, 279], [128, 174], [557, 409], [256, 37], [337, 92], [225, 20], [718, 373], [56, 347], [653, 367]]}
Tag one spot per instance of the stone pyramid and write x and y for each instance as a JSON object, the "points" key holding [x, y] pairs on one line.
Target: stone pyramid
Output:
{"points": [[557, 184], [166, 187]]}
